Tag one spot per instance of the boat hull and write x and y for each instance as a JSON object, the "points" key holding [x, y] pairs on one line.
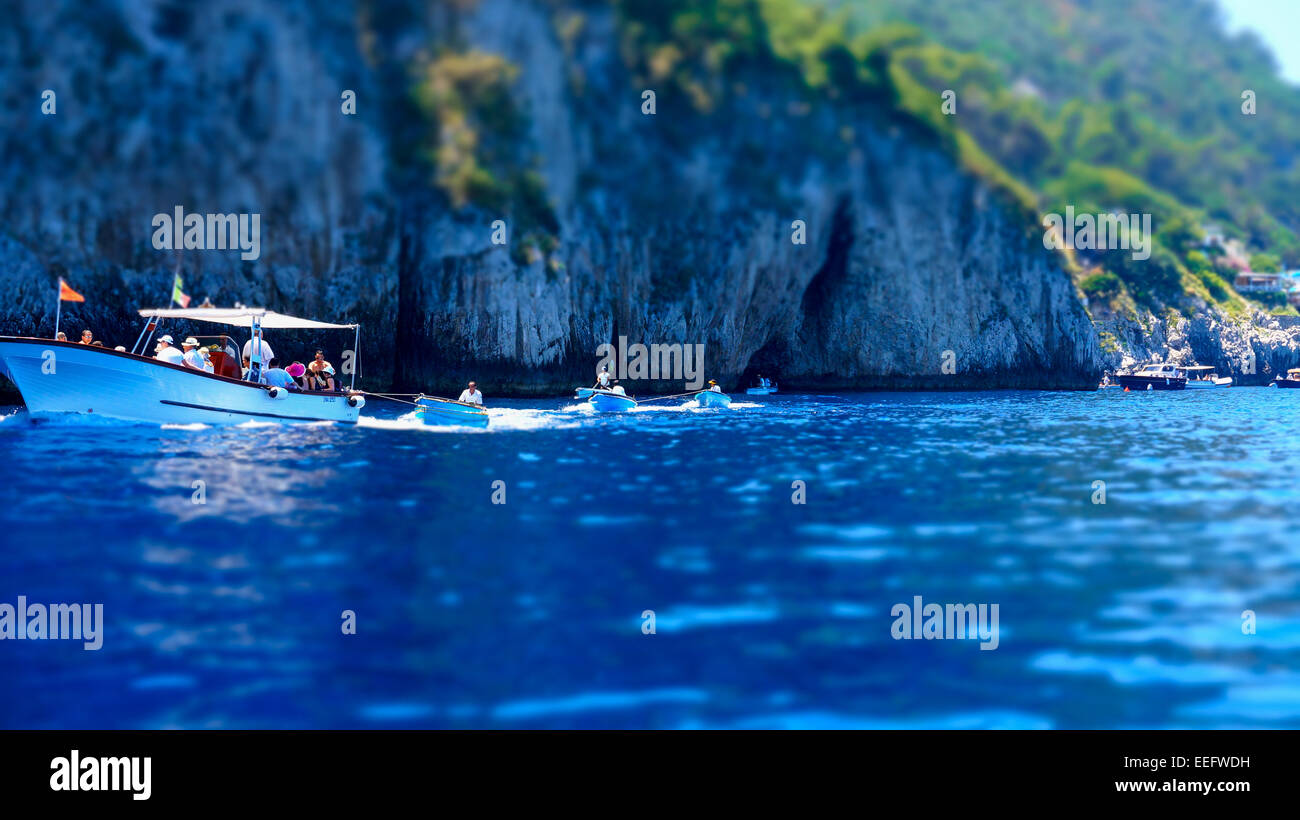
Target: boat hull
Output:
{"points": [[611, 402], [711, 399], [1152, 382], [62, 379], [447, 412], [760, 391], [1292, 383]]}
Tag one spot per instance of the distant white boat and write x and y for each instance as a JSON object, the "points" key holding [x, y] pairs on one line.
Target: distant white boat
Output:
{"points": [[1202, 377], [69, 379]]}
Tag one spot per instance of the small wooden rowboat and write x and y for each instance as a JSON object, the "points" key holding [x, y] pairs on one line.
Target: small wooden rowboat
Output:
{"points": [[708, 398], [438, 412], [607, 401]]}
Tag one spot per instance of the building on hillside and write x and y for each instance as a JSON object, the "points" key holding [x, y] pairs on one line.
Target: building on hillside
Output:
{"points": [[1247, 282]]}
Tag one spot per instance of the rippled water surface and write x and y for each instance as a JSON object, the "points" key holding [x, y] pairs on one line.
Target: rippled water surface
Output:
{"points": [[767, 613]]}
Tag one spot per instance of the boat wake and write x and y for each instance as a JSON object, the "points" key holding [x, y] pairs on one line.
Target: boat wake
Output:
{"points": [[501, 419]]}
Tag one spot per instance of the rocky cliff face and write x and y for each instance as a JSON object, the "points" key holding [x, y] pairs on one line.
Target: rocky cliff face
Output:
{"points": [[675, 227]]}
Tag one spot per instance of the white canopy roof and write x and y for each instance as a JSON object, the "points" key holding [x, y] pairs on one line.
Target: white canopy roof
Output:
{"points": [[241, 317]]}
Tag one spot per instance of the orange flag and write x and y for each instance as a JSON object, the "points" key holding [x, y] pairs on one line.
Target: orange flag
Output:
{"points": [[67, 294]]}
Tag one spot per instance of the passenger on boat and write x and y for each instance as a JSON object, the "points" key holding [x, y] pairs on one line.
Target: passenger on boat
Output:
{"points": [[299, 372], [120, 348], [318, 364], [267, 353], [60, 336], [97, 343], [277, 376], [87, 337], [164, 352], [471, 395], [618, 388], [247, 365], [322, 379], [191, 357]]}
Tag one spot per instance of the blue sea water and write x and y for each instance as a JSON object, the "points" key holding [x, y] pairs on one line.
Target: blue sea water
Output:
{"points": [[767, 613]]}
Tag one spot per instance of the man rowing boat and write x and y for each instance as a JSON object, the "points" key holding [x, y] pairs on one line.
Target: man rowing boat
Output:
{"points": [[470, 395]]}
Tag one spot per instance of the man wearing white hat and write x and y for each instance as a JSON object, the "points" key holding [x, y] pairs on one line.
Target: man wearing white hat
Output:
{"points": [[193, 358], [164, 352]]}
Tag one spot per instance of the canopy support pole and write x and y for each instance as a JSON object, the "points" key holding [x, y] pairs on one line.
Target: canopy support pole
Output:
{"points": [[255, 352], [154, 326], [140, 338], [356, 357]]}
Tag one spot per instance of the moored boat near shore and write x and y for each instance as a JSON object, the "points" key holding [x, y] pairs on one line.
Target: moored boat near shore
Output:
{"points": [[1291, 379], [1202, 377], [1155, 377]]}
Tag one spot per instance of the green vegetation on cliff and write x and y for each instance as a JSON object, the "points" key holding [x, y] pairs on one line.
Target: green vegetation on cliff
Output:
{"points": [[1127, 105]]}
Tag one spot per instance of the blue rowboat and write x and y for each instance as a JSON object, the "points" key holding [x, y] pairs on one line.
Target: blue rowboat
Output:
{"points": [[439, 412], [608, 402], [708, 398], [760, 391]]}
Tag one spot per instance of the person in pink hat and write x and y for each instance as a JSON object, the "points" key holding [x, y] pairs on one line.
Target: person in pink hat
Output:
{"points": [[298, 370]]}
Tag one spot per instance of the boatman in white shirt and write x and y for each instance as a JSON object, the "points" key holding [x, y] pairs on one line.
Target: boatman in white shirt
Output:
{"points": [[192, 357], [602, 377], [470, 395], [267, 353], [164, 352]]}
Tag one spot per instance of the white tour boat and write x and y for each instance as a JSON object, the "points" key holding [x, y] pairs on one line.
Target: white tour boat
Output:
{"points": [[67, 378]]}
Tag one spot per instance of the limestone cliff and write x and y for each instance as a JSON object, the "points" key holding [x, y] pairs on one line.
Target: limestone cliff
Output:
{"points": [[671, 227]]}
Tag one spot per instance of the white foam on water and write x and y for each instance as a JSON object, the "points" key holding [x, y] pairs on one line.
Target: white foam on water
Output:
{"points": [[406, 421], [194, 426], [511, 418], [500, 419], [254, 424]]}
